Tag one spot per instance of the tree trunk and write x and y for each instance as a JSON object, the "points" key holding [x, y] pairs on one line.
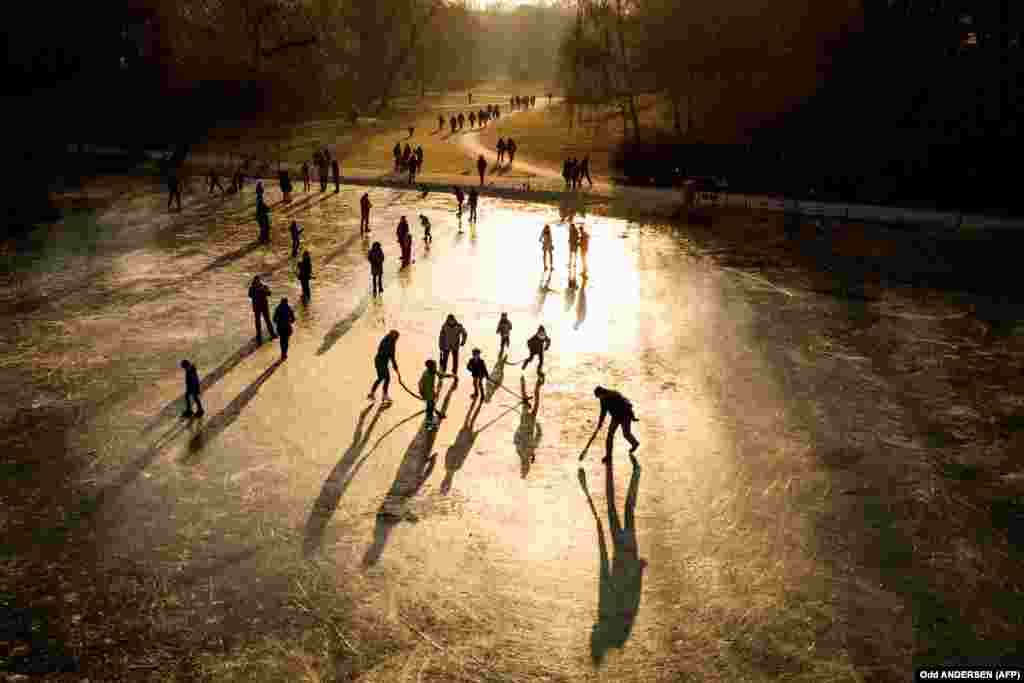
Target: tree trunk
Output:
{"points": [[627, 79]]}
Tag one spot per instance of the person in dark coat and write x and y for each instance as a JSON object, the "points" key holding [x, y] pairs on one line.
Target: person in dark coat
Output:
{"points": [[419, 158], [259, 191], [402, 232], [425, 222], [452, 337], [413, 164], [284, 318], [385, 356], [191, 390], [615, 404], [440, 121], [173, 189], [473, 199], [459, 197], [510, 146], [263, 220], [323, 168], [397, 152], [501, 150], [305, 274], [376, 258], [452, 124], [260, 295], [566, 173], [481, 167], [585, 170], [305, 176], [504, 331], [286, 185], [538, 344], [364, 213], [472, 119], [478, 369], [295, 231], [336, 171]]}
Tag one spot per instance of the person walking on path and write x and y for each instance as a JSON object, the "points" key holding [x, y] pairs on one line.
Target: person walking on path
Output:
{"points": [[538, 344], [584, 246], [336, 171], [473, 199], [284, 318], [191, 390], [263, 220], [323, 168], [305, 176], [385, 356], [478, 369], [260, 295], [173, 189], [504, 332], [585, 170], [364, 213], [259, 191], [459, 197], [574, 243], [285, 181], [305, 274], [215, 181], [547, 247], [621, 410], [481, 167], [428, 390], [451, 124], [376, 258], [462, 120], [402, 232], [425, 222], [295, 231], [501, 150], [510, 146], [453, 336], [472, 119]]}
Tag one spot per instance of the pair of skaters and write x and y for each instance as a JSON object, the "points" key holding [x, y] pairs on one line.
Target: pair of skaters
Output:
{"points": [[579, 242]]}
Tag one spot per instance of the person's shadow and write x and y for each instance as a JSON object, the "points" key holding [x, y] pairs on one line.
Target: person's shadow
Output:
{"points": [[458, 451], [528, 434], [414, 470], [542, 292], [337, 482], [497, 377], [570, 292], [622, 577], [581, 307]]}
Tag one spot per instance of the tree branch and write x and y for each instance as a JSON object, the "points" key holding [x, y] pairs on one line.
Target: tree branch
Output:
{"points": [[304, 42]]}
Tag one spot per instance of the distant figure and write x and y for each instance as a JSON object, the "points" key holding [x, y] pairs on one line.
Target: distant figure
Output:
{"points": [[538, 344], [263, 220], [191, 390], [504, 332], [549, 98], [574, 243], [566, 173], [574, 172], [462, 120], [259, 191], [425, 222], [472, 119], [459, 196], [260, 295], [385, 356], [286, 185], [324, 169], [473, 198], [419, 157], [305, 176], [585, 170], [402, 232], [364, 213], [215, 181], [173, 189], [411, 129], [511, 147], [453, 336], [440, 121], [305, 274], [481, 167], [413, 163], [397, 151], [547, 247], [469, 96], [376, 258], [336, 171], [428, 391], [295, 231], [615, 404], [452, 123], [407, 249], [478, 369], [284, 318], [501, 150]]}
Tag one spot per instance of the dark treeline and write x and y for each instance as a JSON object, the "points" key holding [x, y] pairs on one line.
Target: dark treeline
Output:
{"points": [[914, 102]]}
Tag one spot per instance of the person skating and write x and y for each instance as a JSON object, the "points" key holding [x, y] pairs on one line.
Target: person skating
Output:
{"points": [[473, 199], [547, 247], [364, 213], [295, 231], [504, 332], [584, 246], [305, 176], [478, 369], [585, 170], [284, 318], [501, 150], [336, 171], [453, 336], [191, 390], [305, 274], [511, 147], [538, 344], [425, 222], [260, 295], [481, 167], [574, 243], [285, 182], [215, 181], [428, 391], [402, 232], [263, 220], [173, 189], [621, 410], [376, 258], [459, 197], [407, 249], [385, 356]]}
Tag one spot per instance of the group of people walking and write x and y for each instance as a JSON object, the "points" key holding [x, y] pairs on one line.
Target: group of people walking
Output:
{"points": [[518, 102], [473, 198], [507, 147], [408, 159], [479, 117], [575, 170]]}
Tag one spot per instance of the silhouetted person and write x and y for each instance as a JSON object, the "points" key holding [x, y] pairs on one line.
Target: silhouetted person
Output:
{"points": [[425, 222], [259, 191], [501, 150], [260, 295], [481, 167], [462, 120], [397, 151], [585, 170], [323, 168], [453, 336], [305, 176], [364, 213], [336, 171], [428, 390], [472, 119], [538, 344], [469, 97], [295, 231], [407, 249], [401, 233], [452, 123], [305, 274], [191, 390], [547, 247], [376, 258], [566, 173], [385, 356], [511, 147], [284, 318], [621, 410], [459, 197], [263, 220], [406, 153], [473, 199], [173, 189], [285, 181], [215, 181], [478, 369], [504, 332], [584, 246], [574, 172], [574, 243], [440, 122]]}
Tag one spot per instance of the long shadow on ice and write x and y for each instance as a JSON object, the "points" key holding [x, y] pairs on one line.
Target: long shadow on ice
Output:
{"points": [[343, 326], [457, 453], [529, 433]]}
